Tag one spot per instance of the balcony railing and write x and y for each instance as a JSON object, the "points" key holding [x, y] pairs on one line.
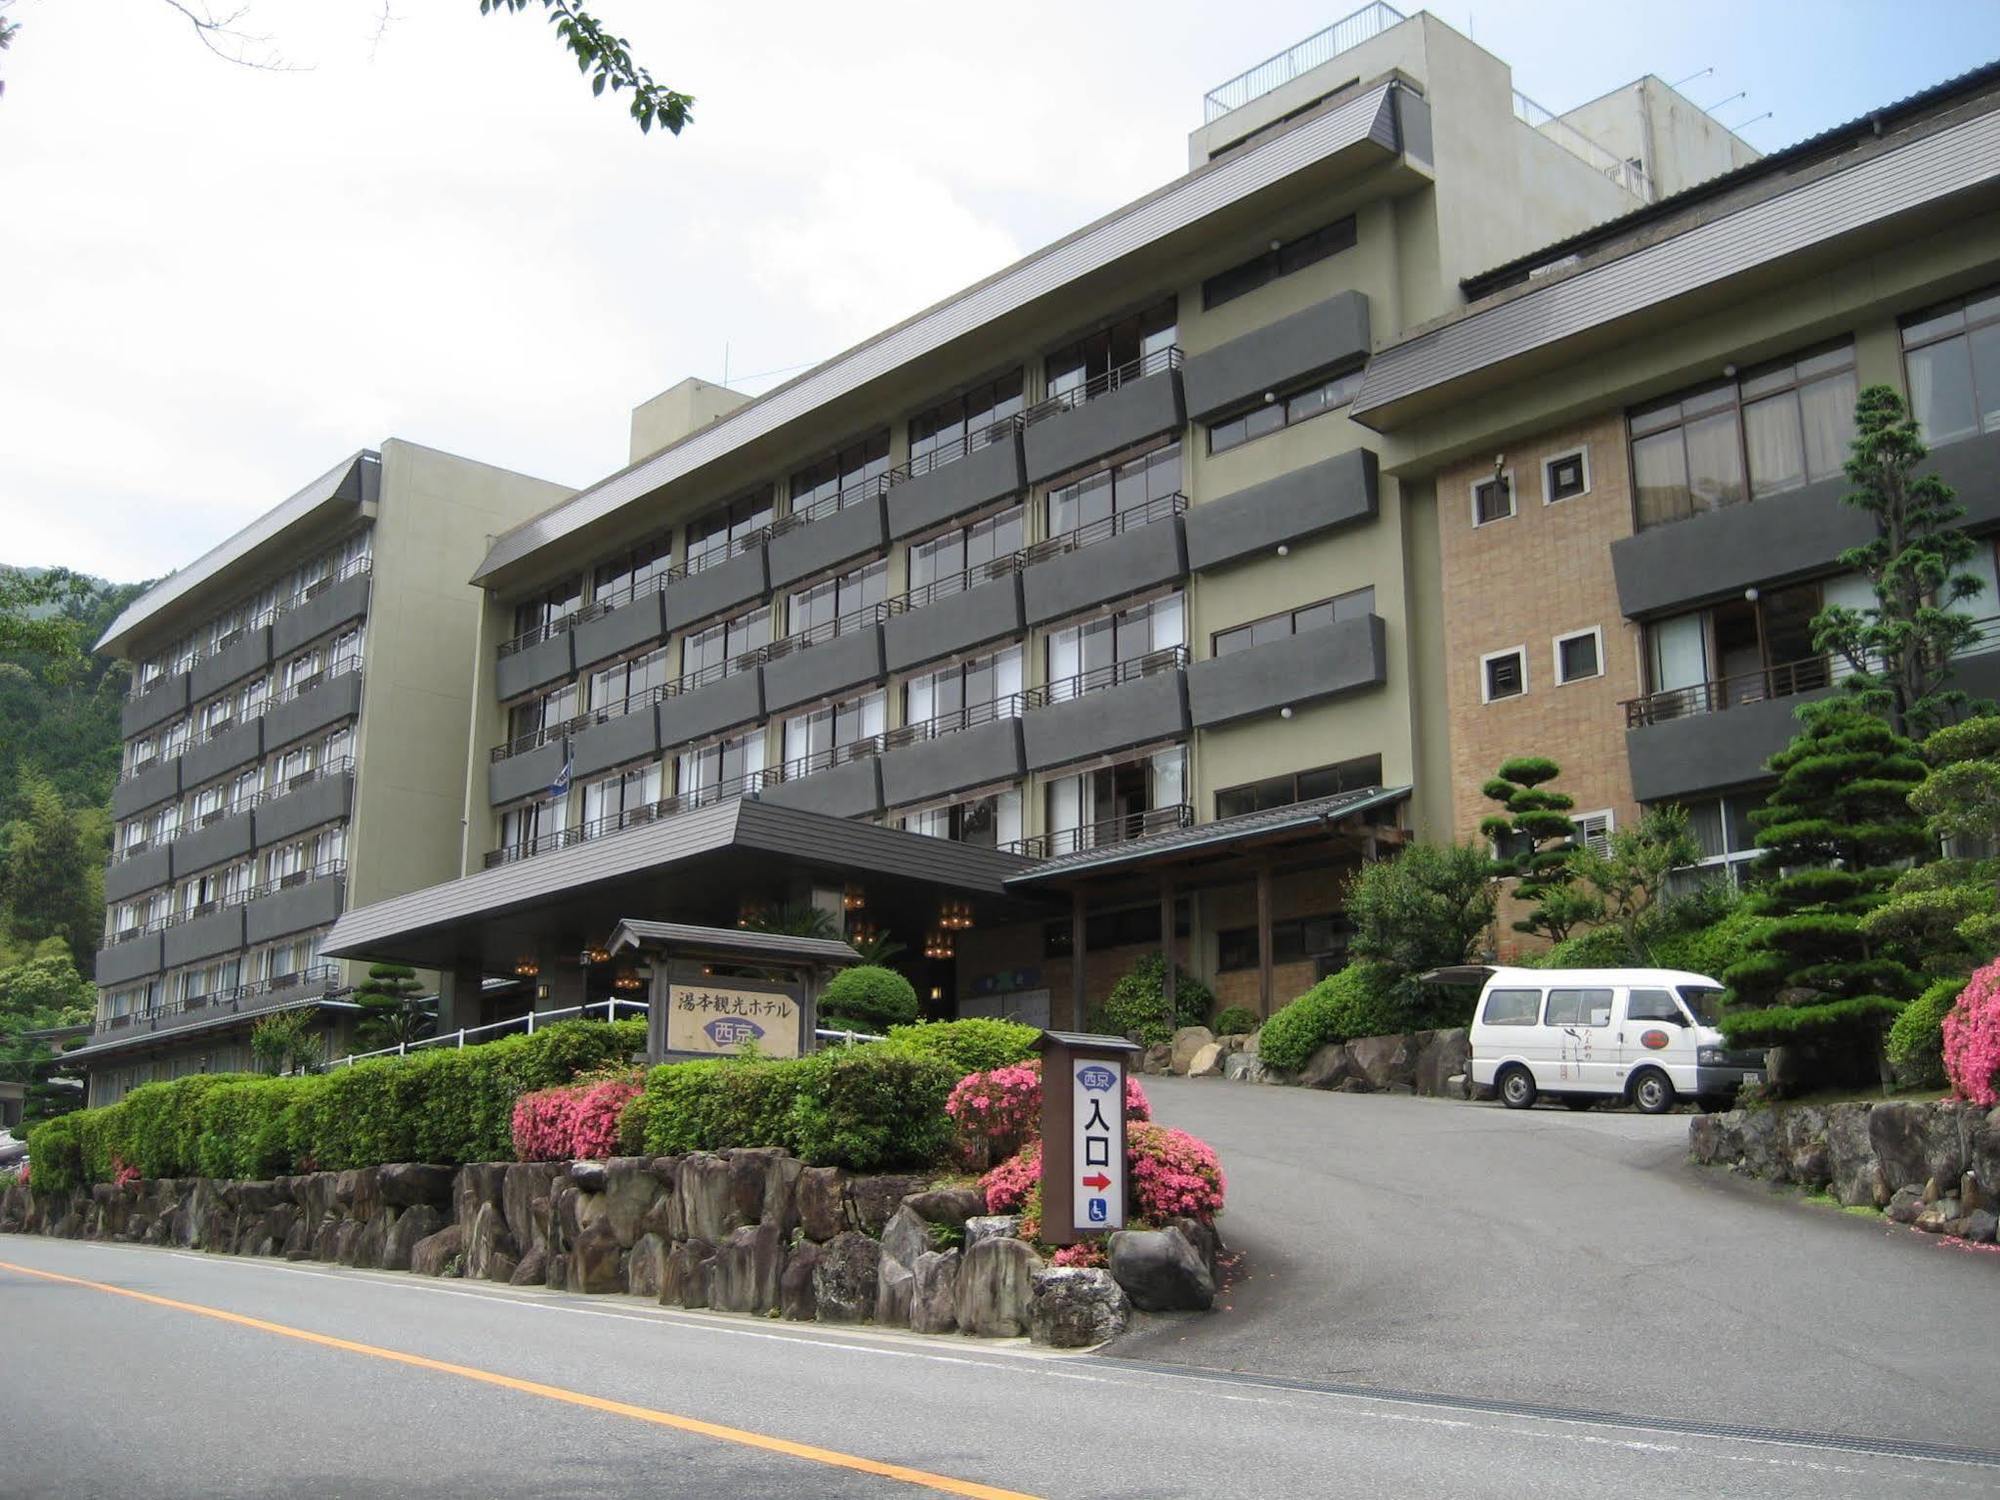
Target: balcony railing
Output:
{"points": [[1301, 57], [318, 679], [958, 583], [972, 716], [610, 599], [263, 994], [632, 817], [536, 738], [831, 505], [951, 452], [831, 756], [827, 630], [340, 766], [1104, 528], [1786, 680], [1112, 674], [283, 606], [1108, 831], [333, 869], [1159, 361], [715, 556], [548, 630]]}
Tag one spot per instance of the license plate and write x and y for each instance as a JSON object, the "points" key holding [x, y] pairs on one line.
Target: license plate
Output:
{"points": [[1753, 1077]]}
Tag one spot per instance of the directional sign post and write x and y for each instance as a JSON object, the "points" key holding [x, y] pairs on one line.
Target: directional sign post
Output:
{"points": [[1083, 1134]]}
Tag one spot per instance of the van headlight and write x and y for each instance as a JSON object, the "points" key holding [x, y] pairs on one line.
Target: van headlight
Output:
{"points": [[1711, 1057]]}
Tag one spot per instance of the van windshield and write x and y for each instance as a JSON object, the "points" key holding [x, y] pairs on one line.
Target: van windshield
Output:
{"points": [[1704, 1001]]}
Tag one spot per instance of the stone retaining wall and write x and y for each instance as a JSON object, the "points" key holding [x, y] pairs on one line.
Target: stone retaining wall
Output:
{"points": [[1432, 1063], [748, 1231], [1933, 1165]]}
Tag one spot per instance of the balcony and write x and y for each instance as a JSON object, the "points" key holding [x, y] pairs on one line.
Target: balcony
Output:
{"points": [[167, 696], [851, 524], [150, 784], [1108, 708], [1311, 666], [1312, 341], [972, 746], [202, 932], [318, 703], [534, 659], [1105, 414], [955, 613], [1119, 555], [308, 800], [617, 733], [298, 902], [825, 661], [222, 835], [705, 703], [633, 817], [530, 764], [321, 608], [232, 660], [280, 993], [141, 871], [1109, 831], [620, 622], [130, 957], [716, 582], [842, 782], [947, 482], [1304, 503], [222, 749]]}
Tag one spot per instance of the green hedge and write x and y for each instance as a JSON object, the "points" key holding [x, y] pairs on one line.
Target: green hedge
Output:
{"points": [[1357, 1001], [974, 1045], [1916, 1040], [442, 1105], [1137, 1004]]}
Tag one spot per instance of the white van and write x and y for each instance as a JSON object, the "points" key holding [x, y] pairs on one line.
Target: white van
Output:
{"points": [[1646, 1035]]}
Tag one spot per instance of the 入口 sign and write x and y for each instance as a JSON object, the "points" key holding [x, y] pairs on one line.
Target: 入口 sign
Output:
{"points": [[1097, 1160], [716, 1021]]}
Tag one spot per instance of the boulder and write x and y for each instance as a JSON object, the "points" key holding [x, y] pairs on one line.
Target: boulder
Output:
{"points": [[298, 1240], [1328, 1068], [991, 1227], [325, 1240], [1387, 1062], [524, 1201], [1951, 1131], [1854, 1177], [1985, 1152], [589, 1176], [685, 1280], [708, 1197], [1161, 1271], [795, 1288], [1186, 1043], [950, 1207], [534, 1269], [1758, 1139], [1206, 1061], [476, 1185], [490, 1251], [995, 1281], [1157, 1059], [764, 1186], [434, 1254], [934, 1292], [1243, 1067], [906, 1236], [1938, 1217], [1207, 1242], [646, 1268], [1802, 1149], [555, 1270], [873, 1201], [666, 1217], [371, 1245], [1907, 1203], [845, 1277], [747, 1274], [895, 1283], [1971, 1196], [1981, 1227], [822, 1201], [596, 1261], [359, 1191], [630, 1191], [1071, 1307], [1442, 1056], [1899, 1132], [409, 1184]]}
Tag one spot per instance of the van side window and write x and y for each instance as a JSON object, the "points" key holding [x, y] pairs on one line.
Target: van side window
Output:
{"points": [[1654, 1005], [1579, 1008], [1512, 1007]]}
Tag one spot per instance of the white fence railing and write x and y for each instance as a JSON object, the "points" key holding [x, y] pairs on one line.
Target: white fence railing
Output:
{"points": [[1300, 57], [1627, 174]]}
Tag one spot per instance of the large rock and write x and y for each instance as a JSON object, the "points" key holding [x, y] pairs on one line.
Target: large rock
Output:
{"points": [[873, 1201], [685, 1282], [408, 1184], [1186, 1043], [1329, 1067], [895, 1283], [1759, 1142], [950, 1207], [1161, 1271], [1952, 1131], [1854, 1176], [666, 1217], [534, 1269], [524, 1201], [373, 1242], [1900, 1134], [1157, 1059], [747, 1274], [934, 1292], [646, 1268], [906, 1236], [1985, 1163], [991, 1227], [490, 1251], [765, 1186], [359, 1191], [596, 1260], [630, 1192], [438, 1254], [995, 1282], [1442, 1056], [589, 1176], [1982, 1228], [796, 1300], [1244, 1067], [1802, 1152], [1206, 1061], [709, 1197], [1389, 1063], [821, 1199], [1070, 1307], [475, 1186], [845, 1278]]}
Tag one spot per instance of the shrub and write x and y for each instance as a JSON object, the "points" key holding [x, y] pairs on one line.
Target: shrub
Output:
{"points": [[1916, 1040], [573, 1122], [867, 997], [999, 1111], [1971, 1041], [974, 1045], [1007, 1186], [1173, 1174], [1235, 1020], [1357, 1001], [1137, 1004], [705, 1106]]}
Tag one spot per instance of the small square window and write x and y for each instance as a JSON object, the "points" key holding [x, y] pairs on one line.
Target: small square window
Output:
{"points": [[1565, 476], [1593, 831], [1503, 674], [1493, 499], [1578, 657]]}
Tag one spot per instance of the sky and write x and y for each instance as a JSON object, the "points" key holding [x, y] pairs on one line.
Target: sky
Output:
{"points": [[218, 281]]}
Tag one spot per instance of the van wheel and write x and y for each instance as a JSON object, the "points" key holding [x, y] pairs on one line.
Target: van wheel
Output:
{"points": [[1578, 1101], [1517, 1088], [1653, 1092]]}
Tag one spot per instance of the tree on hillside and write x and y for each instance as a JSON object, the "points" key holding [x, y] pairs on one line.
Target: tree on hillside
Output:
{"points": [[1900, 652], [1533, 843], [1630, 878], [51, 875], [394, 1008], [41, 993], [39, 618], [1834, 832]]}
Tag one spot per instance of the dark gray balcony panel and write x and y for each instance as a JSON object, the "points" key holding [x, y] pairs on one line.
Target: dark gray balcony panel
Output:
{"points": [[799, 676], [527, 774], [1971, 467], [299, 908], [1978, 675], [334, 605], [1299, 669], [848, 791], [249, 652], [1131, 414], [165, 698], [324, 799], [710, 709], [534, 666], [1290, 508], [334, 699], [223, 754], [855, 531], [635, 623], [981, 477], [142, 872], [1110, 569], [211, 843], [957, 622], [135, 959], [628, 737], [1705, 753], [221, 931], [717, 590], [1322, 337], [952, 762], [1713, 556], [1113, 718], [155, 784]]}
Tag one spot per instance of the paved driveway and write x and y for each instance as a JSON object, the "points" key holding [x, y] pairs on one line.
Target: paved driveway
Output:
{"points": [[1574, 1260]]}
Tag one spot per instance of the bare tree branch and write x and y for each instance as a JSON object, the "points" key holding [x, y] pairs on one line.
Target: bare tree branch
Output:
{"points": [[229, 41]]}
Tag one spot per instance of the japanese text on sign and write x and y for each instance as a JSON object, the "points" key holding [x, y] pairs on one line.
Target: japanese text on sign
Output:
{"points": [[1099, 1156], [702, 1018]]}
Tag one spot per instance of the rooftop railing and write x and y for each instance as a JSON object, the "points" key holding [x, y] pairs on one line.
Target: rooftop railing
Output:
{"points": [[1629, 175], [1301, 57], [1159, 361]]}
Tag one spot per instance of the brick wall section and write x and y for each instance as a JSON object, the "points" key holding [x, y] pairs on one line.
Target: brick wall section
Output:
{"points": [[1545, 571]]}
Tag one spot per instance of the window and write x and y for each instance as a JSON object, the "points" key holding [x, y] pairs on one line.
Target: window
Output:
{"points": [[1287, 410], [1279, 260], [608, 802], [724, 648], [1566, 476], [1132, 927], [989, 822], [1111, 648], [548, 612], [1776, 428], [626, 686], [960, 558], [533, 825], [631, 573], [705, 774], [727, 530], [1115, 802], [526, 720], [966, 422], [1512, 1007], [1744, 651], [841, 479], [1580, 655], [1355, 605], [1134, 341], [1578, 1007], [1493, 499], [1653, 1005], [966, 693], [1292, 942], [1721, 825], [1299, 786], [1118, 494], [1503, 674], [1952, 354], [834, 735], [824, 609], [1593, 831]]}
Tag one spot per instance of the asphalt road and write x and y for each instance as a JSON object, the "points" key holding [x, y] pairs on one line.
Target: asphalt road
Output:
{"points": [[1572, 1260], [318, 1381]]}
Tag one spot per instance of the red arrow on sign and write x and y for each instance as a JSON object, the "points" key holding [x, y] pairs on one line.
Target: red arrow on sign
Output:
{"points": [[1100, 1182]]}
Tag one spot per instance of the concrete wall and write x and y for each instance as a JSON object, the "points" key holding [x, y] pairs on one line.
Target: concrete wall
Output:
{"points": [[679, 411], [1677, 140]]}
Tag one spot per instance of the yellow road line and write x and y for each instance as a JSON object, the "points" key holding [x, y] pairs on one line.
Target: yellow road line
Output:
{"points": [[942, 1483]]}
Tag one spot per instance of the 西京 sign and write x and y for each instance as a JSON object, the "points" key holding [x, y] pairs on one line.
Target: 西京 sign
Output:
{"points": [[708, 1019], [1098, 1158]]}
